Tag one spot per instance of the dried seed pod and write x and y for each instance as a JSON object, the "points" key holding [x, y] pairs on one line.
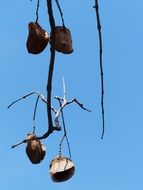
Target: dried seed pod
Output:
{"points": [[61, 169], [61, 40], [37, 38], [35, 150]]}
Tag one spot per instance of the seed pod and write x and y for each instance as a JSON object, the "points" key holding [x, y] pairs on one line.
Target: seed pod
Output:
{"points": [[60, 39], [35, 150], [37, 38], [61, 169]]}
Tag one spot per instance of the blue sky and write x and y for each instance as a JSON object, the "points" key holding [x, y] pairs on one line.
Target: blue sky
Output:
{"points": [[112, 163]]}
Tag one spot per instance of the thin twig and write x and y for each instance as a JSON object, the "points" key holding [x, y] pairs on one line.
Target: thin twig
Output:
{"points": [[37, 10], [34, 115], [63, 120], [60, 145], [37, 93], [65, 134], [61, 13], [101, 65], [24, 141], [80, 104], [65, 103], [23, 97]]}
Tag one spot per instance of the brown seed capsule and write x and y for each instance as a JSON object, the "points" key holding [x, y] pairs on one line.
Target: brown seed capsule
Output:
{"points": [[35, 150], [60, 39], [37, 38], [61, 169]]}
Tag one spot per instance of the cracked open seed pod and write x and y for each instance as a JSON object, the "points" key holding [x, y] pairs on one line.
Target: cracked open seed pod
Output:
{"points": [[61, 39], [35, 150], [61, 169], [37, 38]]}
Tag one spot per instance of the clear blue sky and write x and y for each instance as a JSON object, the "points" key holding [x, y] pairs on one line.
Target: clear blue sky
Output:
{"points": [[114, 163]]}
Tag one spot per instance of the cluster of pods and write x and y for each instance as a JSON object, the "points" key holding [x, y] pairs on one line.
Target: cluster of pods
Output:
{"points": [[61, 168], [38, 39]]}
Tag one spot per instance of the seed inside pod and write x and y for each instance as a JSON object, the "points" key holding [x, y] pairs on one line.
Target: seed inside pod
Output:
{"points": [[61, 169]]}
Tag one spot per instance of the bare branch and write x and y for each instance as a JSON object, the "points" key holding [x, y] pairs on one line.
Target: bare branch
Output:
{"points": [[51, 128], [34, 115], [101, 65], [37, 10], [77, 102], [64, 126], [50, 13], [24, 141], [63, 102], [49, 92], [61, 13], [37, 93], [50, 74], [21, 99]]}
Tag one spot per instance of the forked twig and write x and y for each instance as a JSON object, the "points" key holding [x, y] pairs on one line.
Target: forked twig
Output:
{"points": [[39, 95], [101, 64], [77, 102], [64, 102], [63, 121], [27, 95]]}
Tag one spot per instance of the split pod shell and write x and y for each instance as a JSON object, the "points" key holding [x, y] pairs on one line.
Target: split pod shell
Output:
{"points": [[61, 169]]}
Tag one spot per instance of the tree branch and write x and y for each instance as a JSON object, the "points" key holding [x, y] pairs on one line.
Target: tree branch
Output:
{"points": [[50, 13], [21, 99], [101, 64], [51, 128]]}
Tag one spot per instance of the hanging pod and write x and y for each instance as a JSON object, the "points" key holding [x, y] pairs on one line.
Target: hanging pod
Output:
{"points": [[61, 169], [61, 40], [35, 150], [37, 38]]}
